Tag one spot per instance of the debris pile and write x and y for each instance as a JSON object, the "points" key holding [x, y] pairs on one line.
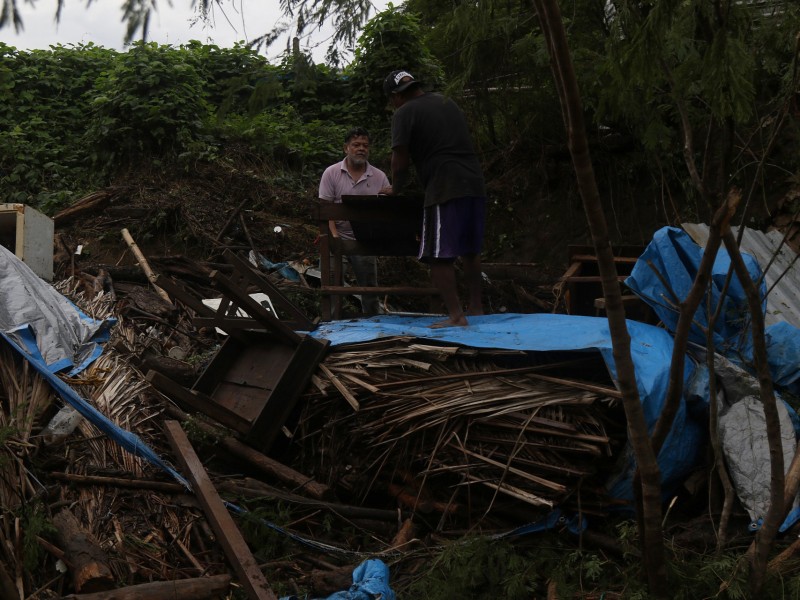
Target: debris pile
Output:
{"points": [[393, 440]]}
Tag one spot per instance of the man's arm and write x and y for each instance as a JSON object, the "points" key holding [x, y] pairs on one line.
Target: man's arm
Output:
{"points": [[327, 186], [401, 163]]}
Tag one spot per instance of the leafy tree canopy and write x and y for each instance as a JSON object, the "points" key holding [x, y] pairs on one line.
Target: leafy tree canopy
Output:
{"points": [[347, 17]]}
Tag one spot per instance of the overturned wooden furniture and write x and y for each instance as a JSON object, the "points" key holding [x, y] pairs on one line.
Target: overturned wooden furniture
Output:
{"points": [[253, 382], [383, 226]]}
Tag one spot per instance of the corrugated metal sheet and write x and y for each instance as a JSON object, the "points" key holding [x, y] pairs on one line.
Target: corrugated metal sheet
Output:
{"points": [[783, 273]]}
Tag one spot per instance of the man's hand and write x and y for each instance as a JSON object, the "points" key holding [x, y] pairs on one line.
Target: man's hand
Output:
{"points": [[387, 191]]}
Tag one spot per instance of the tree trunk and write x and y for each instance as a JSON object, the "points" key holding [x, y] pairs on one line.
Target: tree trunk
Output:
{"points": [[650, 477], [761, 545], [89, 564]]}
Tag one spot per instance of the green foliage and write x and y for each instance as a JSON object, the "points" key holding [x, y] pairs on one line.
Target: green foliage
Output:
{"points": [[267, 544], [394, 39], [282, 135], [232, 77], [34, 525], [151, 102], [478, 568], [678, 67], [70, 118], [43, 97]]}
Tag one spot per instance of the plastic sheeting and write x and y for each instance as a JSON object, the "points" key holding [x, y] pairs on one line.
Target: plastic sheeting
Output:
{"points": [[743, 433], [46, 329], [675, 260], [651, 351], [370, 582], [664, 272], [44, 322], [663, 276]]}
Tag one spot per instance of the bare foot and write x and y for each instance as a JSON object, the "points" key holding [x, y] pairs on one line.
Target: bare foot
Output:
{"points": [[459, 322]]}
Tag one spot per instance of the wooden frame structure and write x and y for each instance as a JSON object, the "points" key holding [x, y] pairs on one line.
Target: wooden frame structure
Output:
{"points": [[254, 381], [383, 225]]}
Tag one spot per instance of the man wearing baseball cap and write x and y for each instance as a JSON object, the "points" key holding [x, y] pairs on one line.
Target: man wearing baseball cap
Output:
{"points": [[431, 131]]}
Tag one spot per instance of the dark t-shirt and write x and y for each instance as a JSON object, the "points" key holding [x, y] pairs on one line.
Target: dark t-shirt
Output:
{"points": [[435, 131]]}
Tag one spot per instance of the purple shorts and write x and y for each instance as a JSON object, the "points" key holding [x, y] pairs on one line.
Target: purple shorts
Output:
{"points": [[453, 228]]}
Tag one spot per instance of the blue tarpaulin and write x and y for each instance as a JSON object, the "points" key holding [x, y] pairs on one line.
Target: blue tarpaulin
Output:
{"points": [[665, 272], [663, 276]]}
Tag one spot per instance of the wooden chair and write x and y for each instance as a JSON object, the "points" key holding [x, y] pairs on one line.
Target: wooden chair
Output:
{"points": [[383, 226]]}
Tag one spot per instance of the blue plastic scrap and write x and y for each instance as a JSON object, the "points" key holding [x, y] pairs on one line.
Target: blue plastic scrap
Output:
{"points": [[554, 520], [129, 441], [370, 582]]}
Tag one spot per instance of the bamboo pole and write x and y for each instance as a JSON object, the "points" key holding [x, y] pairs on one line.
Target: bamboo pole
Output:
{"points": [[151, 276]]}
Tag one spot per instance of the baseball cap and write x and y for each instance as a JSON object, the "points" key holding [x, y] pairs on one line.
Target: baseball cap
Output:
{"points": [[394, 83]]}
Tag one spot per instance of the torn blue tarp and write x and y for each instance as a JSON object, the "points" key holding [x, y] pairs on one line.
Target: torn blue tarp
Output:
{"points": [[555, 520], [44, 322], [370, 582], [129, 441], [651, 351], [663, 276]]}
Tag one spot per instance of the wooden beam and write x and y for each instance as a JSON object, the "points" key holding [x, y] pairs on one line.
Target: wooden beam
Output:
{"points": [[262, 462], [199, 588], [223, 525], [379, 289]]}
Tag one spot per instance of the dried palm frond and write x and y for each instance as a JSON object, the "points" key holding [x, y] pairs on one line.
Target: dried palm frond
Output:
{"points": [[453, 415]]}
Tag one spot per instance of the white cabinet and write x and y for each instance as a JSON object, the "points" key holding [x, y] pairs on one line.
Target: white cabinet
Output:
{"points": [[29, 235]]}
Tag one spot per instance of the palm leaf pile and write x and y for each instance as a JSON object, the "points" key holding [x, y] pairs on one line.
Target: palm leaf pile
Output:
{"points": [[444, 427]]}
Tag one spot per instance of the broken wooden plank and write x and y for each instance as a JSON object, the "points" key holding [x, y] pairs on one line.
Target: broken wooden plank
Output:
{"points": [[276, 469], [200, 588], [228, 534], [197, 401], [343, 390], [298, 319], [270, 321]]}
